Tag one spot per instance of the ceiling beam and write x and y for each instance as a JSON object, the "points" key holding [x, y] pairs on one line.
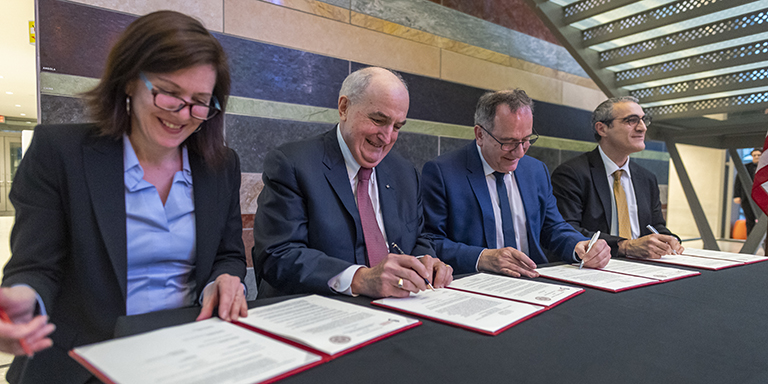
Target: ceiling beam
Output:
{"points": [[723, 83], [587, 8]]}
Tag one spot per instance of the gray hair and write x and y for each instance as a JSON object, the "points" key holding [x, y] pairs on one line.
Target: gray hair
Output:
{"points": [[485, 112], [604, 111], [357, 82]]}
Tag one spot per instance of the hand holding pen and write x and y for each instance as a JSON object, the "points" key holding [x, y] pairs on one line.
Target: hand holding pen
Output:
{"points": [[22, 333], [589, 247], [671, 245], [400, 283], [594, 253]]}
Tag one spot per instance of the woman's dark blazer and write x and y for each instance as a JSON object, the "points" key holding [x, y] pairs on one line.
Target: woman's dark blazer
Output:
{"points": [[69, 239]]}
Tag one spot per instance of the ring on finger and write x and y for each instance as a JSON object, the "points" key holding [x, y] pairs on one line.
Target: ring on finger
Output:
{"points": [[400, 283]]}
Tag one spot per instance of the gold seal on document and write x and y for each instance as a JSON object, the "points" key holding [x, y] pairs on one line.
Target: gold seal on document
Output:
{"points": [[340, 339]]}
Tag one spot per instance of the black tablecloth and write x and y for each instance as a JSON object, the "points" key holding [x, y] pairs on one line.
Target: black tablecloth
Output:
{"points": [[711, 328]]}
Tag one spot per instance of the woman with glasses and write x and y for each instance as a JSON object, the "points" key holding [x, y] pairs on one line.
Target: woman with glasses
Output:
{"points": [[135, 213]]}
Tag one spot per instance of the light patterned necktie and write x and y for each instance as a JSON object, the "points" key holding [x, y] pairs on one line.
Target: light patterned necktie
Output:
{"points": [[625, 230], [375, 247]]}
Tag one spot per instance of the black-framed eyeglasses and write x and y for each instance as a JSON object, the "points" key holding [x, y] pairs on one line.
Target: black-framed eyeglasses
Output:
{"points": [[511, 146], [170, 103], [632, 121]]}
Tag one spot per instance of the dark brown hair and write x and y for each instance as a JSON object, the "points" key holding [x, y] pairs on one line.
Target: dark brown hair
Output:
{"points": [[161, 42]]}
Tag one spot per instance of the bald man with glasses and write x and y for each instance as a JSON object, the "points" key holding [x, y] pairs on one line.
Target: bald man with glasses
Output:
{"points": [[488, 207], [603, 190]]}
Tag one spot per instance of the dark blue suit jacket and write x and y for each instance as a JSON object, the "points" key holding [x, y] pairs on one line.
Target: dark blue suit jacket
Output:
{"points": [[459, 214], [307, 227]]}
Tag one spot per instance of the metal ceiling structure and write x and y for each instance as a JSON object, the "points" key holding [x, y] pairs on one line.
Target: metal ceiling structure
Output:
{"points": [[698, 67]]}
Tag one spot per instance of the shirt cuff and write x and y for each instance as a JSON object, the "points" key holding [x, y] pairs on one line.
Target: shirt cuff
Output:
{"points": [[342, 283], [40, 305], [477, 263], [575, 257]]}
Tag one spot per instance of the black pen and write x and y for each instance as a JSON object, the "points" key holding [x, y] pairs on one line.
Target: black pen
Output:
{"points": [[400, 252]]}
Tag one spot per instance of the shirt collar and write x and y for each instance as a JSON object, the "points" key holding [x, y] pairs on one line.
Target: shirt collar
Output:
{"points": [[133, 173], [352, 166], [610, 166], [486, 168]]}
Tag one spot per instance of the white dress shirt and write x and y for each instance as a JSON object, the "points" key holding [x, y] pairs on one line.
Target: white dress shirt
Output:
{"points": [[515, 202], [342, 283], [629, 192]]}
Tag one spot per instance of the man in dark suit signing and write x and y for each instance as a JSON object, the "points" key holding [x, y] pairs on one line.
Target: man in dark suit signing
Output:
{"points": [[490, 208], [337, 210], [603, 190]]}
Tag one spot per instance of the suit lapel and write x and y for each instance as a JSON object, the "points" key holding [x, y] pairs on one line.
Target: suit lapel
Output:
{"points": [[336, 173], [104, 173], [476, 179], [388, 200], [643, 200], [600, 181], [205, 196]]}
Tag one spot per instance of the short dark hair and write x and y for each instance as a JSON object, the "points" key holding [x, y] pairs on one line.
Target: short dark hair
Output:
{"points": [[161, 42], [756, 150], [604, 111], [485, 112]]}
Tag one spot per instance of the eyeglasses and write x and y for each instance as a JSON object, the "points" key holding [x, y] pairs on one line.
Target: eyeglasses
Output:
{"points": [[632, 121], [511, 146], [170, 103]]}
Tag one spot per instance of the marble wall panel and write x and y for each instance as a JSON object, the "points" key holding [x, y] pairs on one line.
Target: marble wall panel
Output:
{"points": [[283, 26], [512, 14], [250, 188], [430, 17], [75, 39], [319, 8], [269, 72], [209, 12], [581, 97], [655, 145], [657, 167], [549, 156], [448, 144], [566, 155], [252, 137], [439, 100], [62, 110], [416, 148], [561, 121]]}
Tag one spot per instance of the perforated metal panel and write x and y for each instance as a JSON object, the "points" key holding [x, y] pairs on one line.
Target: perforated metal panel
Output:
{"points": [[745, 53], [645, 17], [702, 86], [707, 106], [582, 6], [742, 24]]}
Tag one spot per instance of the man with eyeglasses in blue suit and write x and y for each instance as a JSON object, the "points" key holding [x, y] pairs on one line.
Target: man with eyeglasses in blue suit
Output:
{"points": [[601, 189], [490, 208]]}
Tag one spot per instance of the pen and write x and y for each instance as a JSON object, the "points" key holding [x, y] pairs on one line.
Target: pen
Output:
{"points": [[591, 243], [400, 252], [4, 317], [652, 229]]}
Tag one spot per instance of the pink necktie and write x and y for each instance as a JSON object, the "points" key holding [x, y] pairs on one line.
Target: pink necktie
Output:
{"points": [[376, 248]]}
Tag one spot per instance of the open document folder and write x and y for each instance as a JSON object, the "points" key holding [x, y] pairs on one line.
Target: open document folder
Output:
{"points": [[273, 342]]}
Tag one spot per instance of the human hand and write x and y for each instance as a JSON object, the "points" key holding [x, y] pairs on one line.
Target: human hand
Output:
{"points": [[383, 279], [442, 272], [508, 261], [737, 200], [19, 303], [651, 246], [597, 257], [226, 292]]}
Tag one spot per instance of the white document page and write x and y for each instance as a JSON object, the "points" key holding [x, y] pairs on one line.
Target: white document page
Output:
{"points": [[645, 270], [327, 325], [484, 313], [209, 351], [593, 277], [695, 261], [533, 292], [723, 255]]}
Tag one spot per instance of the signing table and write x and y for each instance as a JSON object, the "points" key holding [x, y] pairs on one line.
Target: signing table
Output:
{"points": [[711, 328]]}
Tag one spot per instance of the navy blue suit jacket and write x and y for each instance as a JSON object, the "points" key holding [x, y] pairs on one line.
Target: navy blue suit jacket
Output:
{"points": [[307, 227], [459, 214], [584, 197], [69, 239]]}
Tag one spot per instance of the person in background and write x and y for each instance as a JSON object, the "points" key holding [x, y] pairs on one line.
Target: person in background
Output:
{"points": [[135, 213], [489, 207], [603, 190], [341, 214], [741, 198]]}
